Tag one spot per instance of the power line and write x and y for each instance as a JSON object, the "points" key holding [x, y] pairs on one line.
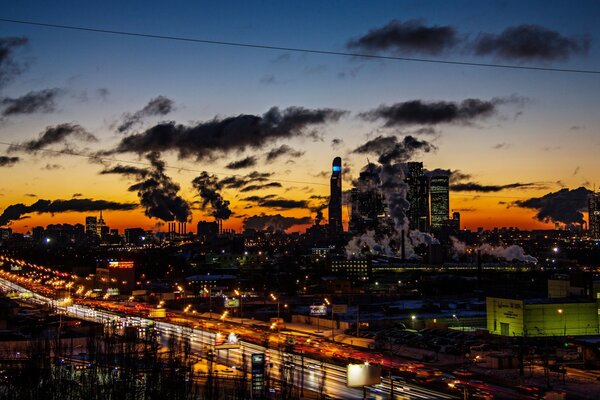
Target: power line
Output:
{"points": [[145, 164], [295, 49]]}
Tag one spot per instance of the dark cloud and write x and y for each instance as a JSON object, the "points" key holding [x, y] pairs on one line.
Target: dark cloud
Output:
{"points": [[229, 134], [125, 170], [30, 195], [237, 181], [407, 37], [564, 206], [158, 106], [251, 188], [477, 187], [16, 211], [102, 93], [52, 167], [76, 195], [8, 161], [270, 201], [53, 135], [208, 187], [501, 146], [8, 67], [276, 221], [432, 113], [531, 42], [158, 193], [456, 176], [43, 101], [577, 168], [389, 149], [336, 143], [283, 150], [247, 162]]}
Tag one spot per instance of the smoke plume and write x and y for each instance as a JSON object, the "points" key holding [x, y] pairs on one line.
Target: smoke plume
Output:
{"points": [[208, 187]]}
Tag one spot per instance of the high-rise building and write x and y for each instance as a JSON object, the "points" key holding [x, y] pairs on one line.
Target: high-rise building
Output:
{"points": [[335, 198], [594, 215], [91, 226], [440, 201], [101, 227], [418, 196]]}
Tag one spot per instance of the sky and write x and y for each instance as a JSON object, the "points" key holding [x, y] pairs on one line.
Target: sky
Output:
{"points": [[200, 124]]}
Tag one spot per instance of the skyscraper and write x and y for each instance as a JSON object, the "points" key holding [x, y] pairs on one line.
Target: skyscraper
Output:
{"points": [[440, 201], [418, 196], [335, 198], [91, 226], [594, 215]]}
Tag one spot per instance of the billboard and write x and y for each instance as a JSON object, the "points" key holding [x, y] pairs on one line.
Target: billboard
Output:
{"points": [[120, 264], [231, 302], [258, 374], [366, 374], [318, 310]]}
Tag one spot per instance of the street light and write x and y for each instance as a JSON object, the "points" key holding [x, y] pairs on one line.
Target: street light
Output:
{"points": [[462, 328], [209, 300], [275, 298], [561, 312], [239, 294]]}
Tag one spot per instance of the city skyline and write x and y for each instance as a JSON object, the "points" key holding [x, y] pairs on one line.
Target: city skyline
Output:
{"points": [[258, 128]]}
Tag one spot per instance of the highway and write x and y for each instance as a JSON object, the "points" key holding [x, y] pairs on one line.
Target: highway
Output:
{"points": [[302, 372]]}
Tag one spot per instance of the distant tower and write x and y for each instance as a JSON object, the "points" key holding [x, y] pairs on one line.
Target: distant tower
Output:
{"points": [[417, 196], [335, 198], [594, 215], [440, 201], [100, 225]]}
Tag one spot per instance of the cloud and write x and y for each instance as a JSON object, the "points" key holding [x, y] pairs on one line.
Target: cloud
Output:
{"points": [[501, 146], [8, 67], [336, 143], [564, 206], [283, 150], [158, 193], [208, 187], [17, 211], [8, 161], [237, 181], [477, 187], [43, 101], [456, 176], [54, 134], [416, 112], [76, 195], [530, 42], [52, 167], [251, 188], [268, 79], [221, 136], [270, 201], [577, 168], [158, 106], [247, 162], [30, 195], [276, 221], [388, 148], [125, 170], [407, 37]]}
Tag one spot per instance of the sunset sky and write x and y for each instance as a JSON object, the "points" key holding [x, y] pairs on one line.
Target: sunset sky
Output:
{"points": [[74, 103]]}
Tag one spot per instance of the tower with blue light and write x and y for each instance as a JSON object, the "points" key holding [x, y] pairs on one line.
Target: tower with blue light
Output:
{"points": [[335, 198]]}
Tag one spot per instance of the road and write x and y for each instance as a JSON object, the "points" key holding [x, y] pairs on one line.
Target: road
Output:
{"points": [[301, 371]]}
